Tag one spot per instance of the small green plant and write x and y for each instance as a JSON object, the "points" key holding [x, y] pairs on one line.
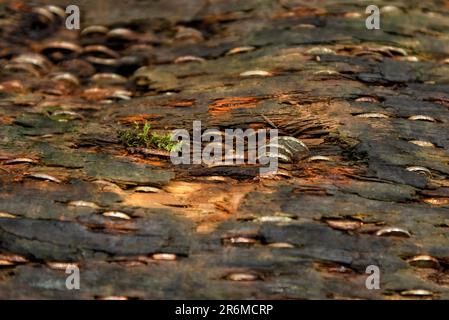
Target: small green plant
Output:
{"points": [[140, 136]]}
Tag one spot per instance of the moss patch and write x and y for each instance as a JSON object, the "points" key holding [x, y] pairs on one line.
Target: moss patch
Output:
{"points": [[140, 136]]}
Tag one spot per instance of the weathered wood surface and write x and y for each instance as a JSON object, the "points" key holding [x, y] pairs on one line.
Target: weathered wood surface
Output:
{"points": [[328, 212]]}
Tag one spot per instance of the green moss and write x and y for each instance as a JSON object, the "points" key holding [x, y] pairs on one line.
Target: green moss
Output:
{"points": [[140, 136]]}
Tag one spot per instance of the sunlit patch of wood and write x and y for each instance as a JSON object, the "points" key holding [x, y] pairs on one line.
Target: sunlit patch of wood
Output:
{"points": [[228, 104], [420, 117], [153, 200], [206, 202], [139, 118]]}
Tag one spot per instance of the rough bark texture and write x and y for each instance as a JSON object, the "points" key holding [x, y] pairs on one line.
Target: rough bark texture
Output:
{"points": [[348, 93]]}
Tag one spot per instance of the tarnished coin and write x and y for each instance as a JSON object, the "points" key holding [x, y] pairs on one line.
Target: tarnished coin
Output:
{"points": [[6, 263], [164, 256], [281, 245], [274, 219], [437, 201], [188, 34], [185, 59], [66, 76], [367, 99], [320, 51], [419, 169], [11, 259], [21, 160], [61, 50], [147, 189], [108, 78], [285, 148], [319, 158], [345, 225], [242, 277], [100, 51], [118, 298], [34, 59], [424, 261], [372, 115], [420, 117], [238, 50], [81, 203], [94, 30], [239, 240], [7, 215], [61, 265], [416, 293], [393, 232], [421, 143], [256, 73], [117, 214], [296, 146], [123, 34], [43, 176]]}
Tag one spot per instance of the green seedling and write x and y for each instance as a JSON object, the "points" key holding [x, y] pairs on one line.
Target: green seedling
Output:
{"points": [[140, 136]]}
